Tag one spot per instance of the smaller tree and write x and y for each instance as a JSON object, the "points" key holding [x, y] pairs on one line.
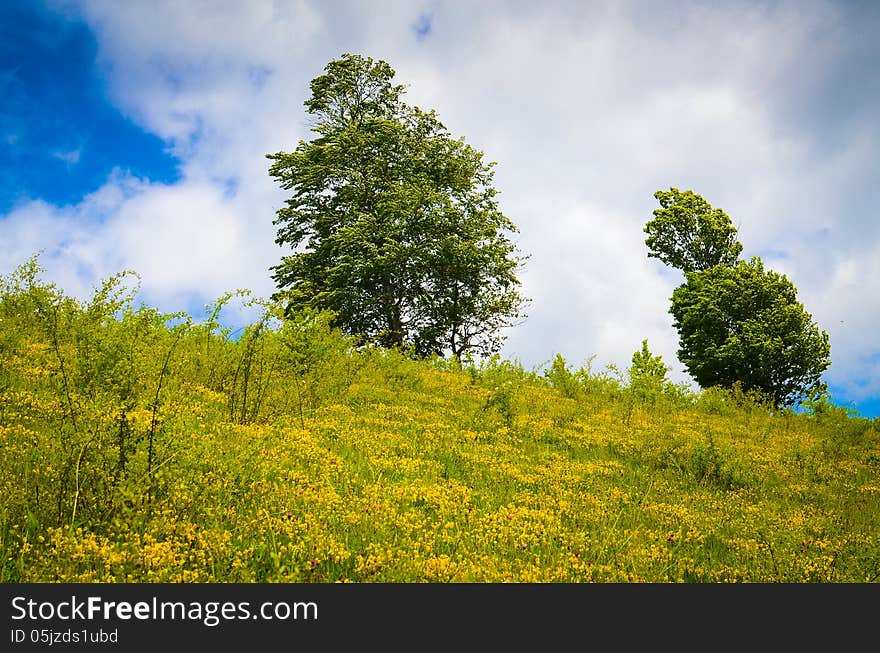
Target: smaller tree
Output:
{"points": [[744, 324], [688, 234], [562, 378], [647, 372]]}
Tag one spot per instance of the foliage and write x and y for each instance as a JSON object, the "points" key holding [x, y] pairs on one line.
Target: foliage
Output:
{"points": [[562, 378], [584, 383], [688, 234], [734, 401], [841, 424], [647, 373], [394, 222], [743, 324], [738, 324], [143, 447]]}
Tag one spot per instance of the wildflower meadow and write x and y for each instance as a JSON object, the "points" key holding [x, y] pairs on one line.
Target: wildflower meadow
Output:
{"points": [[143, 447]]}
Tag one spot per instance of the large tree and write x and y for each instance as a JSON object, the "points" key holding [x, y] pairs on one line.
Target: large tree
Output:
{"points": [[393, 223], [737, 322]]}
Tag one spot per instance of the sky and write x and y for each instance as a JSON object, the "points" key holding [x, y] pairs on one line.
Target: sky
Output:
{"points": [[133, 136]]}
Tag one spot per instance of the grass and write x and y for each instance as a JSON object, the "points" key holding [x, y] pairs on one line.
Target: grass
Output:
{"points": [[139, 447]]}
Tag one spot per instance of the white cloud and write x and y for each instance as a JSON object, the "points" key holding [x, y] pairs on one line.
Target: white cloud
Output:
{"points": [[579, 266], [587, 107], [70, 157], [183, 240]]}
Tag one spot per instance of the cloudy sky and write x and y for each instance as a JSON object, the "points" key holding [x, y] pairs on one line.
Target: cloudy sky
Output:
{"points": [[134, 136]]}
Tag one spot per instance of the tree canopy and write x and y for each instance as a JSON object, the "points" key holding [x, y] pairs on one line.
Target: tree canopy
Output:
{"points": [[737, 322], [688, 234], [394, 223], [743, 324]]}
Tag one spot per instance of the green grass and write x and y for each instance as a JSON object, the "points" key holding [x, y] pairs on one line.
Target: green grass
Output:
{"points": [[136, 451]]}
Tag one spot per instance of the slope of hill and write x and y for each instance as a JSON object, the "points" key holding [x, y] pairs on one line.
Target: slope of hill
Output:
{"points": [[143, 447]]}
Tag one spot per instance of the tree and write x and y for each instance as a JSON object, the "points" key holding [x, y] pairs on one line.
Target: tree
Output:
{"points": [[394, 223], [647, 371], [736, 321], [688, 234], [744, 324]]}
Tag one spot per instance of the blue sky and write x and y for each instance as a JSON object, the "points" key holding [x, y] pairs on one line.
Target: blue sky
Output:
{"points": [[134, 137], [62, 135]]}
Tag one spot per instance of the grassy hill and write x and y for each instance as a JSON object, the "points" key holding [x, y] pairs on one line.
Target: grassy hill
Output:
{"points": [[142, 447]]}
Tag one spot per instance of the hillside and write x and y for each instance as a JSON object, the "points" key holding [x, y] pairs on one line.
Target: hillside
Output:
{"points": [[142, 447]]}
